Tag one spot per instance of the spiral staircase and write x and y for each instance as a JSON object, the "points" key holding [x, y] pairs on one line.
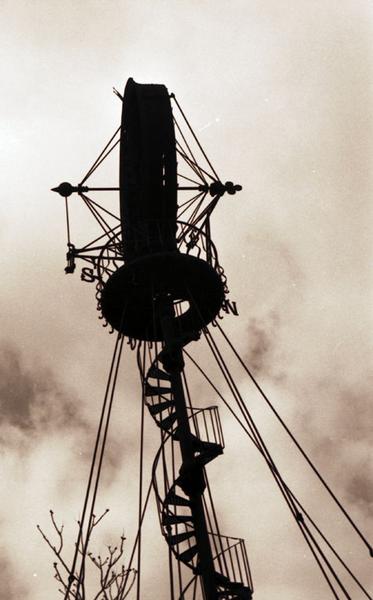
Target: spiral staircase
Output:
{"points": [[232, 573]]}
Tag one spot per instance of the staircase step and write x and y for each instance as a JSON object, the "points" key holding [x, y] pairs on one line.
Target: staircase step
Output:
{"points": [[167, 423], [235, 587], [206, 457], [175, 434], [168, 519], [176, 500], [222, 579], [179, 537], [155, 409], [244, 593], [208, 450], [157, 373], [202, 446], [188, 555], [155, 390]]}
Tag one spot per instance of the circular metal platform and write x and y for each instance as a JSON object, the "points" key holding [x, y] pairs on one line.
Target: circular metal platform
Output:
{"points": [[128, 300]]}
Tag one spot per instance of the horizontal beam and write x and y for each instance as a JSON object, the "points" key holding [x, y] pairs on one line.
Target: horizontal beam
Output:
{"points": [[217, 188]]}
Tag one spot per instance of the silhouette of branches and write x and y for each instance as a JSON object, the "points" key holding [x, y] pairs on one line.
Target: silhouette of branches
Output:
{"points": [[114, 581]]}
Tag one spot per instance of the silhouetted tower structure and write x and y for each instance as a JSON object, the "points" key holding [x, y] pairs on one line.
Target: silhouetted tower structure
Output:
{"points": [[159, 285], [139, 298], [164, 295]]}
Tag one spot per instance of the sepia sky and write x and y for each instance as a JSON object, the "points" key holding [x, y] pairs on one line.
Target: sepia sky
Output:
{"points": [[280, 93]]}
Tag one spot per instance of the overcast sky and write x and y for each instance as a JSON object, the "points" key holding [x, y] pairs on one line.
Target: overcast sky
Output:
{"points": [[281, 92]]}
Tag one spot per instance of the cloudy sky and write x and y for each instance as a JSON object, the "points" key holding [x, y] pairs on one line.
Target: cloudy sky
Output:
{"points": [[281, 92]]}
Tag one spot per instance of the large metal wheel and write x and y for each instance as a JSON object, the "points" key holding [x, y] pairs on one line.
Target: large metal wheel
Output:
{"points": [[147, 172]]}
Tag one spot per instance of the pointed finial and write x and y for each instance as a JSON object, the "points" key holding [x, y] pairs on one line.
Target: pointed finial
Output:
{"points": [[65, 189]]}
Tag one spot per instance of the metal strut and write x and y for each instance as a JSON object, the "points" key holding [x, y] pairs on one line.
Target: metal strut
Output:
{"points": [[216, 188]]}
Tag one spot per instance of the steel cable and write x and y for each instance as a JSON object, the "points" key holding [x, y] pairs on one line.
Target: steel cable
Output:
{"points": [[297, 444], [289, 498], [195, 137], [92, 468], [264, 451], [98, 160], [101, 457], [301, 507]]}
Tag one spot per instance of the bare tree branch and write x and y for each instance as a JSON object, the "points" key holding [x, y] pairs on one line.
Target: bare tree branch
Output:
{"points": [[113, 583]]}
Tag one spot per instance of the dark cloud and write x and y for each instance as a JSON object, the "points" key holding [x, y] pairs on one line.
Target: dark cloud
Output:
{"points": [[359, 489], [260, 346], [337, 429], [261, 356], [33, 400], [35, 404], [354, 419], [11, 589], [345, 411]]}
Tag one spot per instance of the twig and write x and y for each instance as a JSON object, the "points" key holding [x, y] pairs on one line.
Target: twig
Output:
{"points": [[112, 584]]}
